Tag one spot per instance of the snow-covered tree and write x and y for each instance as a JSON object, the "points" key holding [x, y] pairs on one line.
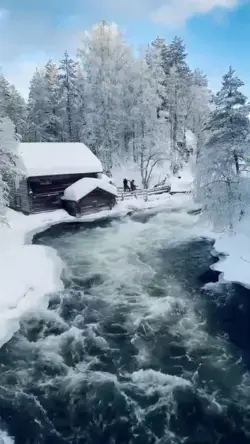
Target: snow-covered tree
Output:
{"points": [[198, 107], [106, 64], [34, 131], [44, 121], [220, 185], [69, 99], [158, 53], [53, 124], [175, 55], [177, 85], [17, 110], [100, 98], [82, 134], [150, 132], [4, 96], [12, 105], [8, 161]]}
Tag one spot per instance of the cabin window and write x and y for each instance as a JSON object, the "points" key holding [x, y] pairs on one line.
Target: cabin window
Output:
{"points": [[18, 201], [45, 182], [41, 181]]}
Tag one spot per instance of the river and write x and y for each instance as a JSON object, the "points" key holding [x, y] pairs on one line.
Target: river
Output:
{"points": [[135, 350]]}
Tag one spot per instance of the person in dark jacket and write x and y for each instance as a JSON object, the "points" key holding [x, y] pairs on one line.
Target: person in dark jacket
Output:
{"points": [[132, 185], [125, 185]]}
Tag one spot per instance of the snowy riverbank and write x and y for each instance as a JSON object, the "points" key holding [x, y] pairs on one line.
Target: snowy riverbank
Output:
{"points": [[28, 273], [233, 251]]}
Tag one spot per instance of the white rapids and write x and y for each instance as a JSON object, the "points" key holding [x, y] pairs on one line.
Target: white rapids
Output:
{"points": [[125, 349]]}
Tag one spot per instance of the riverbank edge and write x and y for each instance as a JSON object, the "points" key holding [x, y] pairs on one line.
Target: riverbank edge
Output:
{"points": [[30, 273], [233, 255]]}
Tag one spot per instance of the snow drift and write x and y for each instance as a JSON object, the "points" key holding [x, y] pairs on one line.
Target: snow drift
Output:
{"points": [[233, 251]]}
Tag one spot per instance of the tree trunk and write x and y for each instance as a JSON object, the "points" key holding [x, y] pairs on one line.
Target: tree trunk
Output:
{"points": [[236, 161], [69, 118], [142, 169]]}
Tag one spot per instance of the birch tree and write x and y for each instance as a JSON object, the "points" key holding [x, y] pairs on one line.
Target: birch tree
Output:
{"points": [[150, 136], [106, 60]]}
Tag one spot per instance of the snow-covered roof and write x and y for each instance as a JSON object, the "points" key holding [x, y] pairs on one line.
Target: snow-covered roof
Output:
{"points": [[84, 186], [49, 158]]}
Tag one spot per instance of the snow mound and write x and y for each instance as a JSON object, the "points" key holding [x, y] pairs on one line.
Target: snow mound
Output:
{"points": [[5, 439], [49, 158], [182, 182], [233, 250], [84, 186], [28, 272]]}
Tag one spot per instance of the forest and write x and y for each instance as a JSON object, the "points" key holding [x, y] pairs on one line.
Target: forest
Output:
{"points": [[130, 104]]}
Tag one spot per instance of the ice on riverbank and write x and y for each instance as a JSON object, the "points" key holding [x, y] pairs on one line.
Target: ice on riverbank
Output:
{"points": [[28, 272], [233, 250]]}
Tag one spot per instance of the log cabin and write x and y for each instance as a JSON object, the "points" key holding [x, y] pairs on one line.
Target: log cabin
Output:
{"points": [[48, 169], [89, 195]]}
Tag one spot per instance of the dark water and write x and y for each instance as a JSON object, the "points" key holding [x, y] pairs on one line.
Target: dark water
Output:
{"points": [[134, 350]]}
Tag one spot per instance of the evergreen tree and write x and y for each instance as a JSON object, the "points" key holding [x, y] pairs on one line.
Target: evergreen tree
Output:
{"points": [[82, 133], [220, 185], [4, 96], [17, 110], [8, 161], [69, 91], [175, 55], [53, 123], [34, 126], [12, 105], [155, 58], [197, 107], [159, 50], [177, 85]]}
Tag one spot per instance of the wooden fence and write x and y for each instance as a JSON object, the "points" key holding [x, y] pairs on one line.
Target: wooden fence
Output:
{"points": [[145, 194]]}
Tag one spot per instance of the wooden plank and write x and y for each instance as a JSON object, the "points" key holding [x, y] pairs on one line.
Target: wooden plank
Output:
{"points": [[180, 192]]}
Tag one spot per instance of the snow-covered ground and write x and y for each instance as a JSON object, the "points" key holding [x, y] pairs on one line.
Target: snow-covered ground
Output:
{"points": [[132, 171], [183, 182], [233, 250]]}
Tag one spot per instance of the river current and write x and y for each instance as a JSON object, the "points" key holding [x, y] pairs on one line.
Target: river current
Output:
{"points": [[143, 346]]}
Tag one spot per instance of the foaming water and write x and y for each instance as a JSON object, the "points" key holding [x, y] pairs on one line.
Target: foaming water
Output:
{"points": [[128, 352]]}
